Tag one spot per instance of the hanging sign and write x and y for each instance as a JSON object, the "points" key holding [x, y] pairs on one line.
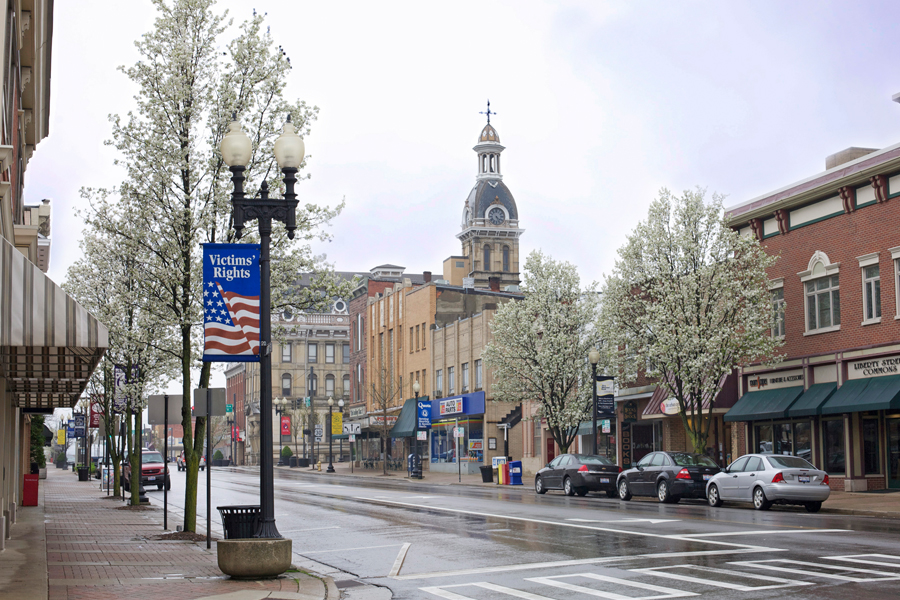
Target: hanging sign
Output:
{"points": [[231, 302], [629, 412], [423, 409], [605, 426], [285, 425], [337, 423], [79, 426], [70, 429], [96, 411], [61, 437], [120, 381], [670, 406]]}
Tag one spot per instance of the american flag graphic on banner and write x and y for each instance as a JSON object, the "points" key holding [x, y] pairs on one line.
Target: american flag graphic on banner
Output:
{"points": [[231, 302]]}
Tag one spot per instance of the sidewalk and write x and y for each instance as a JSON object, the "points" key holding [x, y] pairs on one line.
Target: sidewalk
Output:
{"points": [[79, 544], [870, 504]]}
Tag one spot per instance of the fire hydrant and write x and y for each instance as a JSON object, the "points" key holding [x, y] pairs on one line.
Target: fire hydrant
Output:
{"points": [[319, 464]]}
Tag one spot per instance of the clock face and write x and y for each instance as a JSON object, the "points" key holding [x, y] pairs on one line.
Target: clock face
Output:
{"points": [[496, 216]]}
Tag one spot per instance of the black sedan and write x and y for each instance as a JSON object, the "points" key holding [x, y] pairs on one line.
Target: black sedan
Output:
{"points": [[578, 474], [670, 476]]}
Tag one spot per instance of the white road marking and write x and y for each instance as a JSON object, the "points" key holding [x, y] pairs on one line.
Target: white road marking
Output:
{"points": [[761, 564], [443, 591], [398, 562], [662, 572], [343, 549], [771, 531], [858, 558], [652, 521], [663, 592], [312, 529]]}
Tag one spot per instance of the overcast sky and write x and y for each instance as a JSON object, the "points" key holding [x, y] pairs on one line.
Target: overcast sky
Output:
{"points": [[599, 104]]}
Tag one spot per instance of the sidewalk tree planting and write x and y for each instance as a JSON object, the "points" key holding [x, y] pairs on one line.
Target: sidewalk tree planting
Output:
{"points": [[540, 344], [687, 302], [387, 395], [176, 189]]}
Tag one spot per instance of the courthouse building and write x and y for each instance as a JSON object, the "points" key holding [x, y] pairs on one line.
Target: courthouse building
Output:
{"points": [[835, 399]]}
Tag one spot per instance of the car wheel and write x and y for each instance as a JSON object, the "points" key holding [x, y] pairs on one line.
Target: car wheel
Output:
{"points": [[760, 502], [662, 492], [159, 486], [539, 485], [712, 496], [168, 485], [813, 506], [610, 493], [624, 492], [567, 487], [582, 491]]}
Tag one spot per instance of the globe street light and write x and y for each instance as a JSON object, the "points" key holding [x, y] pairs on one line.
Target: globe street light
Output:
{"points": [[330, 468], [594, 357], [289, 151]]}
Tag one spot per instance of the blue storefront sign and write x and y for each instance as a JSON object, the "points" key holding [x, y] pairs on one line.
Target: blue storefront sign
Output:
{"points": [[231, 287], [423, 410], [458, 406]]}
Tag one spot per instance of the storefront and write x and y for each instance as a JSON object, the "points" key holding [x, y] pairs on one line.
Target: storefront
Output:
{"points": [[457, 432]]}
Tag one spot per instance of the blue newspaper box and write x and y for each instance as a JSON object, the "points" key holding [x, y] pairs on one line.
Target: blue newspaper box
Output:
{"points": [[515, 472]]}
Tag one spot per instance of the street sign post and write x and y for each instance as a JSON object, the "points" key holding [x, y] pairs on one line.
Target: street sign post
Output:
{"points": [[161, 410], [352, 428], [209, 401], [320, 432]]}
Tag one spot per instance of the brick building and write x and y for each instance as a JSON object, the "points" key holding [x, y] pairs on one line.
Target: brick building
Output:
{"points": [[835, 399]]}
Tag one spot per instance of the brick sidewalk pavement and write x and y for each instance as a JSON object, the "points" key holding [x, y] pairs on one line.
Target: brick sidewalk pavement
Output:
{"points": [[96, 549]]}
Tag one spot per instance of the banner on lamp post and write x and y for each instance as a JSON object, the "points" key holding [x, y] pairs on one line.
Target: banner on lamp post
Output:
{"points": [[337, 423], [285, 425], [96, 410], [231, 289]]}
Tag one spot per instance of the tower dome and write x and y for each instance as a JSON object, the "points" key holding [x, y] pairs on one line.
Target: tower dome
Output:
{"points": [[488, 134]]}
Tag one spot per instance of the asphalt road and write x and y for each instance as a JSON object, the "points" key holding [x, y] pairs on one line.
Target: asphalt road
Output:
{"points": [[426, 541]]}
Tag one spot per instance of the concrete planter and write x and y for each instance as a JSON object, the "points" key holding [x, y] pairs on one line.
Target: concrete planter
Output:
{"points": [[42, 472], [254, 558]]}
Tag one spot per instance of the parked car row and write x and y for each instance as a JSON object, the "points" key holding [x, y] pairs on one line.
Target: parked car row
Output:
{"points": [[762, 479]]}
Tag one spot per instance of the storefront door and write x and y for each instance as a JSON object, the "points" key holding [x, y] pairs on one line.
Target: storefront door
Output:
{"points": [[551, 448], [893, 470], [641, 441]]}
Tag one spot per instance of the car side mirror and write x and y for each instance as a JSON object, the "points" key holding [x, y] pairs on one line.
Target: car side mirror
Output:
{"points": [[727, 470], [639, 468]]}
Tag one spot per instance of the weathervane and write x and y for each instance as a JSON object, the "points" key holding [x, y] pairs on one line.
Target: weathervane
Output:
{"points": [[488, 113]]}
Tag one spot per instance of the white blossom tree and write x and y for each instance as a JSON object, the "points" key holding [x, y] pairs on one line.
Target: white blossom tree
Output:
{"points": [[539, 347], [686, 303]]}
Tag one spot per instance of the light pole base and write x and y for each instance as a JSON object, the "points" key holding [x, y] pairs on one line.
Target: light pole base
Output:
{"points": [[330, 469]]}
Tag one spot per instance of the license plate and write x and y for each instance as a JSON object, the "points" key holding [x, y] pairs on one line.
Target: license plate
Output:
{"points": [[706, 477], [604, 480], [151, 477], [803, 478]]}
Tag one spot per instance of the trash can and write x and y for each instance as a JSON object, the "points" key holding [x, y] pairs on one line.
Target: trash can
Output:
{"points": [[302, 462], [487, 474], [515, 472], [84, 473], [292, 461], [30, 490], [239, 522]]}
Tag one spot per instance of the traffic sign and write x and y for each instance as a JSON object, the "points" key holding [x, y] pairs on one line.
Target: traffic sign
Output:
{"points": [[352, 428], [229, 408], [352, 437], [320, 432]]}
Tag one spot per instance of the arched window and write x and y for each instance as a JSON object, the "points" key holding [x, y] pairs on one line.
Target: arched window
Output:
{"points": [[493, 160], [286, 384], [329, 385], [487, 258], [506, 259], [484, 163]]}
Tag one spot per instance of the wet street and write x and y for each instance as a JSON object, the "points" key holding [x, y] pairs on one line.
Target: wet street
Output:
{"points": [[426, 541]]}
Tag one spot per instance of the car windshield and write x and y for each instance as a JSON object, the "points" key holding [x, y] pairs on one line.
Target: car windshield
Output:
{"points": [[683, 459], [788, 462], [152, 457], [589, 459]]}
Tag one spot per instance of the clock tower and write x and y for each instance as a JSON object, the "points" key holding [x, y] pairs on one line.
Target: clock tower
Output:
{"points": [[490, 221]]}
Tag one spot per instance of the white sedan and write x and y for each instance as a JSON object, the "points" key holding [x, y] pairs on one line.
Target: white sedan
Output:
{"points": [[766, 479]]}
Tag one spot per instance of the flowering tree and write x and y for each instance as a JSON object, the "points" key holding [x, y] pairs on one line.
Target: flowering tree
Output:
{"points": [[539, 347], [687, 302]]}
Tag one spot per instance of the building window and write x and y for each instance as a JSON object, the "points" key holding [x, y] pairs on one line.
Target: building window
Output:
{"points": [[286, 385], [465, 378], [345, 352], [346, 389], [872, 293], [897, 283], [286, 352], [451, 381], [506, 259], [871, 454], [439, 382], [423, 336], [417, 339], [424, 381], [778, 310], [538, 443], [478, 383], [329, 385], [410, 340], [312, 353], [329, 354], [834, 446], [823, 303], [803, 440], [487, 258]]}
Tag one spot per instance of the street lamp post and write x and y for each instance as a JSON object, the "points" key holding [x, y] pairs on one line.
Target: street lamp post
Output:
{"points": [[280, 405], [594, 357], [417, 460], [289, 152], [330, 468]]}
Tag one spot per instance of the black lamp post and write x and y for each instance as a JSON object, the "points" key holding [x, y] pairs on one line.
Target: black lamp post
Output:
{"points": [[280, 409], [289, 152], [330, 468], [417, 460], [594, 357]]}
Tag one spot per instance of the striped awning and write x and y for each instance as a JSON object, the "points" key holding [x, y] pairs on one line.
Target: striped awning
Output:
{"points": [[49, 344]]}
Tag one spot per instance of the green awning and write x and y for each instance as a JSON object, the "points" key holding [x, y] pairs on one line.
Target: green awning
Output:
{"points": [[340, 436], [810, 403], [406, 422], [858, 395], [764, 405]]}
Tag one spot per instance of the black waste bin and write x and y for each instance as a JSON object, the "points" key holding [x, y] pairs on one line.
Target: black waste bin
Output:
{"points": [[84, 474], [239, 522], [302, 462], [487, 474]]}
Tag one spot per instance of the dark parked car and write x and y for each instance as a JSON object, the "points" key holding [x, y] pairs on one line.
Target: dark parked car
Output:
{"points": [[670, 476], [578, 474]]}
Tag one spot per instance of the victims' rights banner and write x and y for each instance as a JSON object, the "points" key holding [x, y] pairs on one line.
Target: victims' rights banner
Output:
{"points": [[231, 302]]}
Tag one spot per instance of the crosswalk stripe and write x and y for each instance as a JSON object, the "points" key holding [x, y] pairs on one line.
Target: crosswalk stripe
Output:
{"points": [[442, 593], [859, 558], [510, 591], [664, 591], [761, 564], [662, 572]]}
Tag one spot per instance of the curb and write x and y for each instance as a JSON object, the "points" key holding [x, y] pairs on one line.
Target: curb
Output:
{"points": [[331, 589], [860, 513]]}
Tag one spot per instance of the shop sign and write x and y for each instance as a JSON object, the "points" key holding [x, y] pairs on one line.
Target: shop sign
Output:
{"points": [[423, 410], [874, 367], [357, 412], [451, 407], [774, 381], [422, 436], [496, 461], [605, 426], [629, 412], [476, 445], [459, 432], [626, 446], [379, 420], [670, 406]]}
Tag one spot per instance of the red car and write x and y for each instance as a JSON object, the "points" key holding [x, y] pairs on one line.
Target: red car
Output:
{"points": [[153, 471]]}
